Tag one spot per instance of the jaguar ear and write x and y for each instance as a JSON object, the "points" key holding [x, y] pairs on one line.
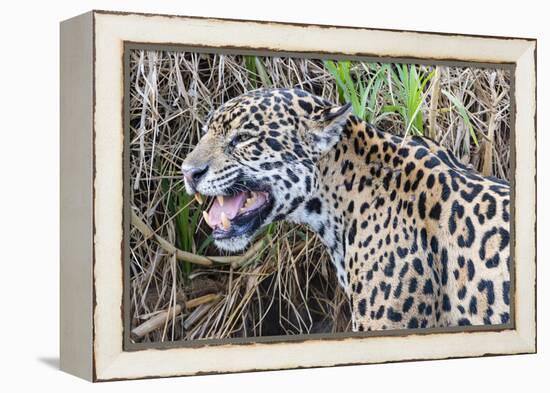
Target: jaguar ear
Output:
{"points": [[329, 124]]}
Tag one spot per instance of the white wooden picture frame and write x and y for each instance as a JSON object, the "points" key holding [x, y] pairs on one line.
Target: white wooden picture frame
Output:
{"points": [[92, 195]]}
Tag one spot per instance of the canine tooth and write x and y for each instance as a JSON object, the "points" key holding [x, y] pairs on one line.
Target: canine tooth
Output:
{"points": [[198, 197], [250, 202], [205, 216], [220, 199], [225, 222]]}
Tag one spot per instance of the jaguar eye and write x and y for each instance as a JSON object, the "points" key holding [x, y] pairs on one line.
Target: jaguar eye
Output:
{"points": [[239, 138]]}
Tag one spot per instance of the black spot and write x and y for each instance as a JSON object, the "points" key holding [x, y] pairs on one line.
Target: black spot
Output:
{"points": [[362, 307], [413, 323], [292, 176], [486, 285], [428, 287], [430, 181], [295, 203], [445, 190], [308, 184], [444, 264], [413, 284], [373, 295], [502, 191], [417, 264], [504, 317], [364, 206], [424, 238], [407, 304], [421, 308], [429, 309], [431, 163], [274, 144], [462, 242], [388, 269], [464, 322], [471, 270], [505, 211], [492, 206], [402, 252], [446, 303], [349, 184], [475, 189], [472, 308], [422, 205], [504, 238], [456, 210], [314, 205], [306, 106], [435, 211], [352, 232], [493, 261], [409, 168], [421, 153], [404, 270], [380, 312], [410, 209], [386, 288], [462, 292], [288, 157], [398, 289], [506, 292], [419, 177], [434, 244], [394, 315]]}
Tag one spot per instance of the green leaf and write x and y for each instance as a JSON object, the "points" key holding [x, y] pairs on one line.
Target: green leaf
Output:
{"points": [[250, 65], [264, 76], [463, 113]]}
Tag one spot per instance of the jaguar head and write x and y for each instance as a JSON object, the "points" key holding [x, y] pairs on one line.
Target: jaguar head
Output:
{"points": [[257, 159]]}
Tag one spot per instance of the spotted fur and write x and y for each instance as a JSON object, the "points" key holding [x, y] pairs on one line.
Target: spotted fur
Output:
{"points": [[417, 238]]}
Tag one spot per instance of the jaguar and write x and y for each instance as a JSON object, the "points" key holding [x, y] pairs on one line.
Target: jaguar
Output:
{"points": [[418, 239]]}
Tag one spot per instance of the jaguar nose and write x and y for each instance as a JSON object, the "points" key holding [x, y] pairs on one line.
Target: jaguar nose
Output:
{"points": [[193, 174]]}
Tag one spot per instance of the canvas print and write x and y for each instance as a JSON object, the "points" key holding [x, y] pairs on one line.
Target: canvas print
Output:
{"points": [[286, 196]]}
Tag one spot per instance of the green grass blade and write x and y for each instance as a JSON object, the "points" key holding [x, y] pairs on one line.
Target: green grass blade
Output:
{"points": [[463, 113], [262, 73]]}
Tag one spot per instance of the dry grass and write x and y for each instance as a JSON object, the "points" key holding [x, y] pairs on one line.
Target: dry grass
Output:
{"points": [[289, 286]]}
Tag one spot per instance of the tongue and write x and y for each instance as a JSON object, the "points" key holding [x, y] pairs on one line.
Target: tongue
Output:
{"points": [[231, 207]]}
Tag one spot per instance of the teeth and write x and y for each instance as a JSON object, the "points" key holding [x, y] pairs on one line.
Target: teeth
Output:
{"points": [[198, 197], [205, 216], [225, 222], [220, 199], [250, 201]]}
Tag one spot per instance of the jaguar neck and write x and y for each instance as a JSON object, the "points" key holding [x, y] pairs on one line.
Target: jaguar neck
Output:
{"points": [[348, 180]]}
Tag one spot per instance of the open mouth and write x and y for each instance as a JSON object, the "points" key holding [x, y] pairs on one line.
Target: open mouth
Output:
{"points": [[237, 214]]}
